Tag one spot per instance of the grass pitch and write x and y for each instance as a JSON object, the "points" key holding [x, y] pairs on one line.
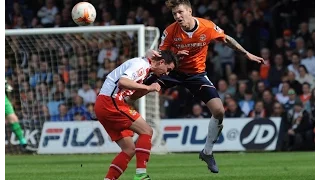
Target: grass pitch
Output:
{"points": [[184, 166]]}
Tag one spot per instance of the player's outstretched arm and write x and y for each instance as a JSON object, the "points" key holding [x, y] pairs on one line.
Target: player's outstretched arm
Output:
{"points": [[232, 43]]}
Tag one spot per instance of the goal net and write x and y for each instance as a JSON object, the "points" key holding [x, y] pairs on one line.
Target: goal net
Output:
{"points": [[47, 67]]}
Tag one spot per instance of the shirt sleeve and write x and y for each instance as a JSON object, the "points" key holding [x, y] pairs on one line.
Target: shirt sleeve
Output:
{"points": [[166, 40], [134, 72], [217, 33]]}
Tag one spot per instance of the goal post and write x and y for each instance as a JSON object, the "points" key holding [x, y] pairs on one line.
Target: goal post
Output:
{"points": [[43, 45]]}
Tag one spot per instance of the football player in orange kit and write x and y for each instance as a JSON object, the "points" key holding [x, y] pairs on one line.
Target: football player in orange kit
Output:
{"points": [[189, 37]]}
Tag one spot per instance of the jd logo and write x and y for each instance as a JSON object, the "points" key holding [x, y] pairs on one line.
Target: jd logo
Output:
{"points": [[258, 134]]}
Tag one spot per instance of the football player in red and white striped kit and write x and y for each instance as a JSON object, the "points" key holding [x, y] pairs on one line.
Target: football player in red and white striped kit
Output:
{"points": [[119, 120]]}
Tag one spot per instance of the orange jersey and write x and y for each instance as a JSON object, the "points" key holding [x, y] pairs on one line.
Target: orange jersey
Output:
{"points": [[196, 42]]}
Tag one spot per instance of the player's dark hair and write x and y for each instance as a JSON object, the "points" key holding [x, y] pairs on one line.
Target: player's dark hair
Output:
{"points": [[174, 3], [169, 57]]}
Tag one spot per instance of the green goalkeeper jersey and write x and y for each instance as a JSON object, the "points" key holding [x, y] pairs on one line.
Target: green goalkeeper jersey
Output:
{"points": [[8, 105]]}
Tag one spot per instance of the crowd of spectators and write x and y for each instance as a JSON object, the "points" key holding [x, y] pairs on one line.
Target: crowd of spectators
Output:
{"points": [[57, 78]]}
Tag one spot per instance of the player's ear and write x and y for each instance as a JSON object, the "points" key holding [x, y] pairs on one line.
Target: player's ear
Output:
{"points": [[162, 61]]}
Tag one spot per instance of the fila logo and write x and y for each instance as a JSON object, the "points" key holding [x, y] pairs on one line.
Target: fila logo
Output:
{"points": [[186, 135], [258, 134], [69, 137]]}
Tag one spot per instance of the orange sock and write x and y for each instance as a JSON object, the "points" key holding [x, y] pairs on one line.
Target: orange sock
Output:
{"points": [[143, 147], [118, 166]]}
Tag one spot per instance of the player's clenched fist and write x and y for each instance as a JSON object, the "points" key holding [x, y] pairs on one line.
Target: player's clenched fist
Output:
{"points": [[154, 87]]}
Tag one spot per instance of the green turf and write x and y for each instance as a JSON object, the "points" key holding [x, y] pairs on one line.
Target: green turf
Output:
{"points": [[233, 166]]}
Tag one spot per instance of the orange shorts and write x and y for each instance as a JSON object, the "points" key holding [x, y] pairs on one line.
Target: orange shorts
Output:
{"points": [[116, 116]]}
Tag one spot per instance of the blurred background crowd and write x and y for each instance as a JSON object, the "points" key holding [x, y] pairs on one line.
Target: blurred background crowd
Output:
{"points": [[57, 78]]}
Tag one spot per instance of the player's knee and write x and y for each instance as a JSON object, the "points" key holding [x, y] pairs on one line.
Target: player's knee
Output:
{"points": [[219, 114], [12, 118], [145, 130], [148, 130], [140, 126], [130, 150]]}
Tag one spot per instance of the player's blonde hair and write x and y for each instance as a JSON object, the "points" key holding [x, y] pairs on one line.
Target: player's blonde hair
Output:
{"points": [[174, 3]]}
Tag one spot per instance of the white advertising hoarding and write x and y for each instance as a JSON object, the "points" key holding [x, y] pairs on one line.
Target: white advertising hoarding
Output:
{"points": [[237, 134], [75, 137], [179, 135]]}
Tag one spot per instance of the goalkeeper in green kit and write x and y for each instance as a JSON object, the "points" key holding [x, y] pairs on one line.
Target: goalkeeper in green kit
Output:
{"points": [[12, 118]]}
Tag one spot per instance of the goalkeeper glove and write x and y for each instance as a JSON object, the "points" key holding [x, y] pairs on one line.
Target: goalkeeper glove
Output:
{"points": [[8, 87]]}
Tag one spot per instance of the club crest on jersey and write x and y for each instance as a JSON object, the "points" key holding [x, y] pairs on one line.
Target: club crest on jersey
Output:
{"points": [[132, 112], [135, 75], [202, 37], [140, 72]]}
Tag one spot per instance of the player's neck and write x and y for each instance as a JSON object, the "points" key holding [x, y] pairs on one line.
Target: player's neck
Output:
{"points": [[193, 25]]}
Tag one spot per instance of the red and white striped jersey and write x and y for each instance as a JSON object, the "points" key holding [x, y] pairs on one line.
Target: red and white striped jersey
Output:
{"points": [[136, 69]]}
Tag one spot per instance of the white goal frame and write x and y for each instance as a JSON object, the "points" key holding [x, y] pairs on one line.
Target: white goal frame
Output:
{"points": [[140, 29]]}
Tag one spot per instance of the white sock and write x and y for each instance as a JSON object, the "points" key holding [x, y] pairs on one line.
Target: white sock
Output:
{"points": [[213, 131], [141, 170]]}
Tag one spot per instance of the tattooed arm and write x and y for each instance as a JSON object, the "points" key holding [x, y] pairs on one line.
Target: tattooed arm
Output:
{"points": [[232, 43]]}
